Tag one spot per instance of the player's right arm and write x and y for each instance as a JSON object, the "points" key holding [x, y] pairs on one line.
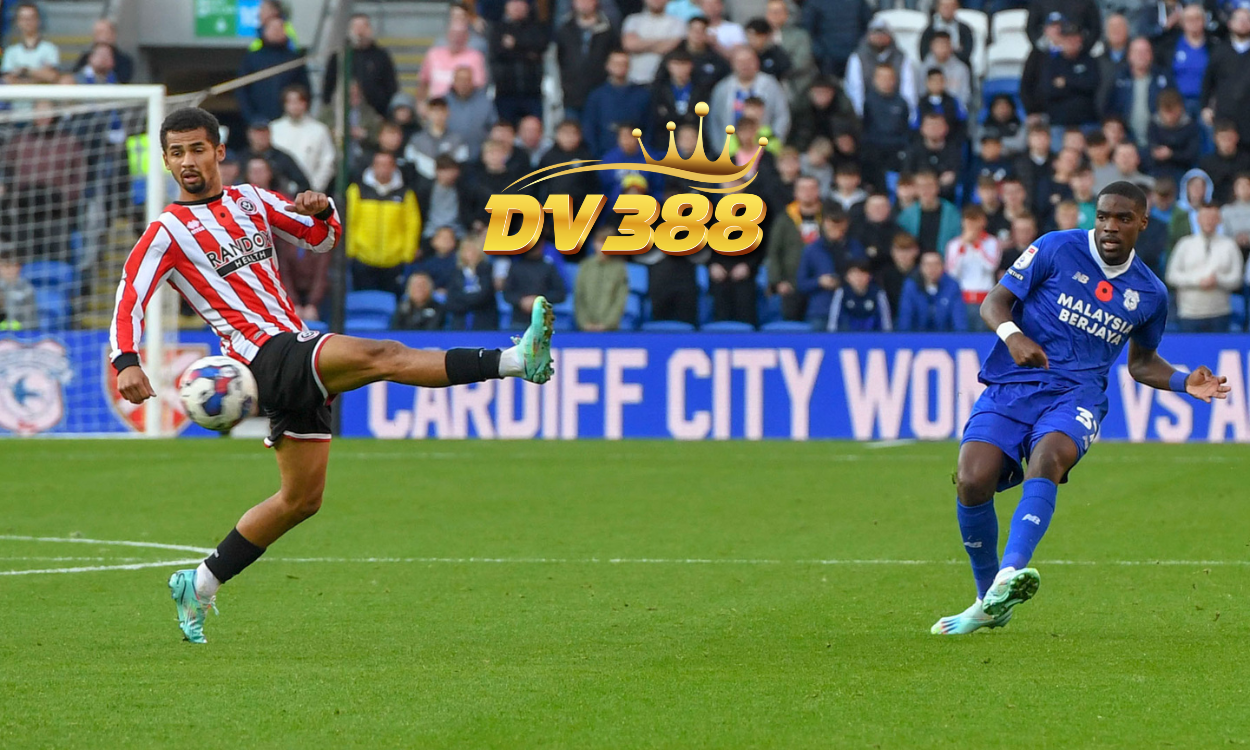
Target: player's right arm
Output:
{"points": [[150, 263], [1025, 275]]}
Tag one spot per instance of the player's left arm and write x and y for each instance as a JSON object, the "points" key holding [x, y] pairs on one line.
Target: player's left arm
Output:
{"points": [[1148, 368], [310, 221]]}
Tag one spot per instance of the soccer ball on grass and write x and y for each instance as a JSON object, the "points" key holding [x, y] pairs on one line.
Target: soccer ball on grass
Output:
{"points": [[218, 393]]}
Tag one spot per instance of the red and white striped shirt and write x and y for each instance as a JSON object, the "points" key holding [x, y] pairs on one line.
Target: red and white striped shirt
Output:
{"points": [[219, 254]]}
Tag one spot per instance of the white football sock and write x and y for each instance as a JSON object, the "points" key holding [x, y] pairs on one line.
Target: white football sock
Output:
{"points": [[511, 364], [206, 584]]}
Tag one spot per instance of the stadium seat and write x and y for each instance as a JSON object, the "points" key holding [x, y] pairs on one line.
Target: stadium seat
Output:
{"points": [[787, 326], [317, 325], [367, 322], [667, 326], [564, 313], [1005, 58], [371, 302], [1238, 322], [728, 326], [1009, 21], [54, 308], [639, 278], [906, 26], [569, 272], [632, 316], [980, 25], [45, 274]]}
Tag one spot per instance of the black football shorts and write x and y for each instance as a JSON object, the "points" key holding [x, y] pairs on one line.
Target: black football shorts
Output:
{"points": [[292, 395]]}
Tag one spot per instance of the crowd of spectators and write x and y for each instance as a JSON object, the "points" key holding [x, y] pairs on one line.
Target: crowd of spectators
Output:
{"points": [[900, 181]]}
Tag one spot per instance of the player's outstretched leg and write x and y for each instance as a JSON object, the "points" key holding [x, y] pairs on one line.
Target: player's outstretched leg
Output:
{"points": [[346, 363], [980, 465]]}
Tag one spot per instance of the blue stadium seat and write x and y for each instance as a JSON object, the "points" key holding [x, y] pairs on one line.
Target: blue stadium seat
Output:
{"points": [[633, 313], [505, 311], [1239, 310], [54, 308], [367, 322], [787, 326], [371, 302], [45, 274], [317, 325], [701, 278], [564, 313], [727, 326], [668, 326], [569, 271], [639, 279]]}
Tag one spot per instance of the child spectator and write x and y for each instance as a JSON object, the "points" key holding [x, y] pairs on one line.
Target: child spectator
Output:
{"points": [[1197, 188], [992, 162], [1082, 184], [815, 163], [532, 275], [990, 201], [905, 194], [1236, 215], [931, 302], [440, 265], [1173, 137], [773, 59], [859, 305], [904, 254], [847, 191], [383, 226], [471, 293], [1099, 152], [1035, 164], [601, 290], [435, 140], [443, 202], [418, 310], [972, 259], [873, 225], [938, 101], [957, 77]]}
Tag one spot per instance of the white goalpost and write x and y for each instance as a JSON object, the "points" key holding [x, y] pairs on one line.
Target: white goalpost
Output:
{"points": [[80, 178]]}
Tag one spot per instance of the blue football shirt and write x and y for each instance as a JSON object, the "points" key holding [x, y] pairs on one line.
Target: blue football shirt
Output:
{"points": [[1080, 310]]}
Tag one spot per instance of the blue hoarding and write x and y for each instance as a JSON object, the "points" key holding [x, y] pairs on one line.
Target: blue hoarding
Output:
{"points": [[677, 386]]}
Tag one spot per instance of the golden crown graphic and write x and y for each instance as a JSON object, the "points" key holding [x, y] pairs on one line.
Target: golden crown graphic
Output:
{"points": [[698, 168]]}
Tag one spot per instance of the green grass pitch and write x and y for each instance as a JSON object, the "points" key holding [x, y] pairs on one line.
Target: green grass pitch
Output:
{"points": [[619, 595]]}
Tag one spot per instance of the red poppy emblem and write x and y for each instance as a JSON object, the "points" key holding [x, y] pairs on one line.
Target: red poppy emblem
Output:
{"points": [[1103, 292]]}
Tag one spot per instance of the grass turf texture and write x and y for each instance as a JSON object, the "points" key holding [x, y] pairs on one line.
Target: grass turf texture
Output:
{"points": [[630, 654]]}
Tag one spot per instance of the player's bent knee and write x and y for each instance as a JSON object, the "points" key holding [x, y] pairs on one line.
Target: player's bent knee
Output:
{"points": [[302, 504], [384, 358], [975, 487]]}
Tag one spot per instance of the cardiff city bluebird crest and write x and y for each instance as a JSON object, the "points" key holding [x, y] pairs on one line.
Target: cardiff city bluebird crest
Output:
{"points": [[32, 385]]}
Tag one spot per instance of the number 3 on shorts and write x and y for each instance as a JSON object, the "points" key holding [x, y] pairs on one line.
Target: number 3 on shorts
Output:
{"points": [[1086, 418]]}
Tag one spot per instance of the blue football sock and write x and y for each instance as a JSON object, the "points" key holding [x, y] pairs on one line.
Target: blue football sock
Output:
{"points": [[1030, 521], [978, 524]]}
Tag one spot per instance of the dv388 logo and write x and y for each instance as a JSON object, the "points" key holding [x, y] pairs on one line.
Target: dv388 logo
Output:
{"points": [[683, 230]]}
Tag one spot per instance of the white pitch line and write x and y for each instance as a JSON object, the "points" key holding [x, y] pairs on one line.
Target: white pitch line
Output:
{"points": [[713, 561], [98, 568], [114, 543], [29, 558]]}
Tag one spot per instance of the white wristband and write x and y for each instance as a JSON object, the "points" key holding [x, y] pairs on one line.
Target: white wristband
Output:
{"points": [[1006, 329]]}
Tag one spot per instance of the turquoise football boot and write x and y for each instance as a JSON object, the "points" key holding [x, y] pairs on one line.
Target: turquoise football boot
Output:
{"points": [[970, 620], [535, 345], [191, 611], [1010, 588]]}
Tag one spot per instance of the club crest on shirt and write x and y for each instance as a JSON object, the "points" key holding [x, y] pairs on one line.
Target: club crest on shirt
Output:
{"points": [[248, 207], [1131, 298], [1026, 258]]}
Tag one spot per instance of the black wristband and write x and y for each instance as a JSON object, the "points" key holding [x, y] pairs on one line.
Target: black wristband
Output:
{"points": [[128, 359], [326, 214]]}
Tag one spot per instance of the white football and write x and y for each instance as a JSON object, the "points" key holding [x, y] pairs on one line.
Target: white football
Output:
{"points": [[218, 392]]}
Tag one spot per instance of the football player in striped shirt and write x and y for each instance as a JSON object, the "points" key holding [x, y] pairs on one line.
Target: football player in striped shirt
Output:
{"points": [[215, 245]]}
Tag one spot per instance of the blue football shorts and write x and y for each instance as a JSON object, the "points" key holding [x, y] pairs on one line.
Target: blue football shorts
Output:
{"points": [[1015, 416]]}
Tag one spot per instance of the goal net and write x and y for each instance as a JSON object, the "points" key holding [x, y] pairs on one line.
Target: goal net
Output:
{"points": [[80, 178]]}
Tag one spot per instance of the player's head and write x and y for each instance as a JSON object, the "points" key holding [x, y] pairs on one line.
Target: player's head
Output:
{"points": [[1120, 216], [191, 148]]}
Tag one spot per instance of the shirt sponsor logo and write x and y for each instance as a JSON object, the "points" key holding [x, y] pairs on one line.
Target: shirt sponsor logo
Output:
{"points": [[242, 252], [1093, 320]]}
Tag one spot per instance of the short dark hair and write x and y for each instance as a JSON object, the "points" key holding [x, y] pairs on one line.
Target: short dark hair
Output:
{"points": [[1171, 99], [187, 119], [942, 34], [1128, 190], [33, 6], [1224, 125], [759, 26], [698, 19], [973, 211], [446, 161], [297, 88]]}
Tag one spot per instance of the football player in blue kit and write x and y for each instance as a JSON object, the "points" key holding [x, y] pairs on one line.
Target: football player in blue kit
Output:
{"points": [[1063, 314]]}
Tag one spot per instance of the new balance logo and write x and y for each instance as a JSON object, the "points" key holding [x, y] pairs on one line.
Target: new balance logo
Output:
{"points": [[1032, 519], [972, 545], [195, 226], [1078, 276]]}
